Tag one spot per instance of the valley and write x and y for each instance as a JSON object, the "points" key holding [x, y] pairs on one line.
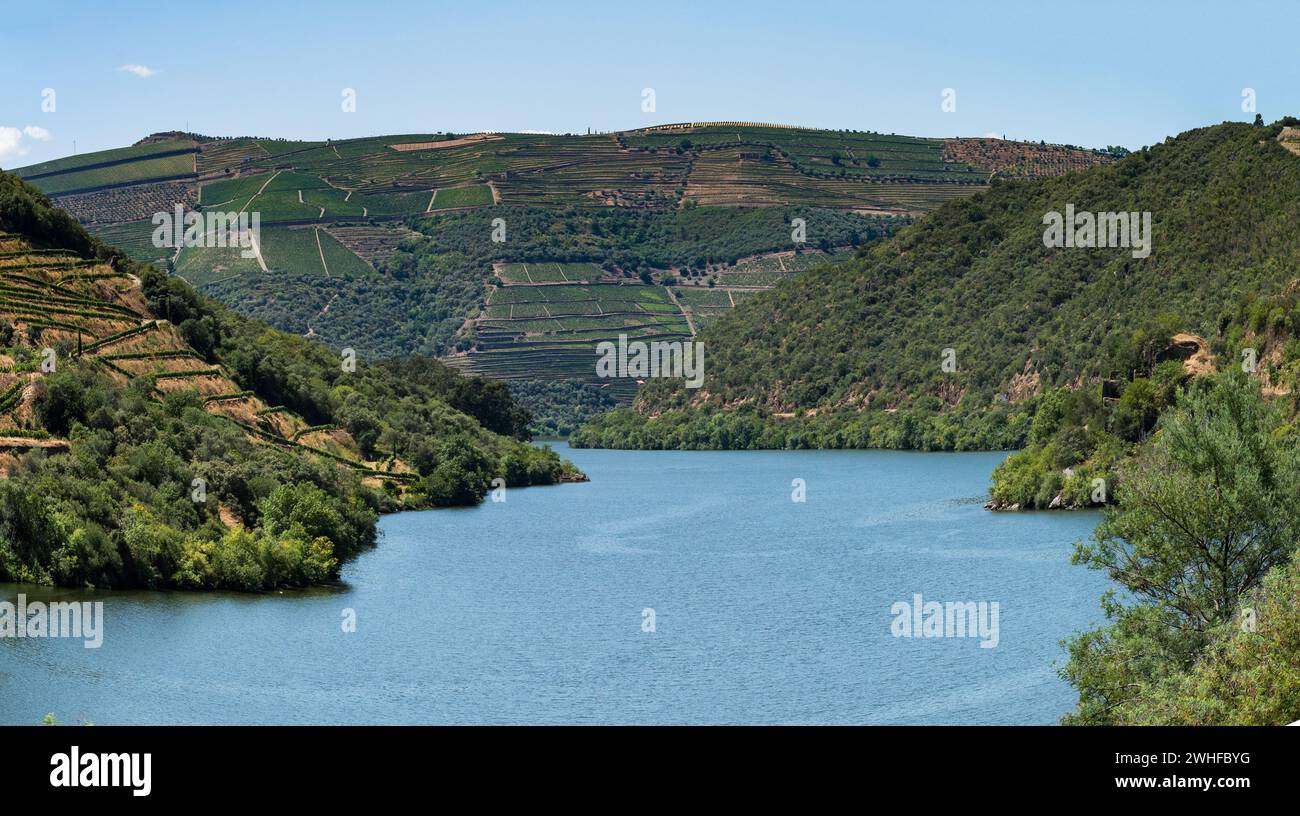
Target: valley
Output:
{"points": [[695, 363]]}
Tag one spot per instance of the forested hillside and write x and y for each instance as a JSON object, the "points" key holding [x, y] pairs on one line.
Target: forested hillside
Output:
{"points": [[853, 355], [151, 437]]}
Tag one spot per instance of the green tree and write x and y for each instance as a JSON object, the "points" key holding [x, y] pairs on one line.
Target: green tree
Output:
{"points": [[1205, 511]]}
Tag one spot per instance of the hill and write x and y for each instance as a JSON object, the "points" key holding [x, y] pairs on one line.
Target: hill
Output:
{"points": [[1162, 384], [382, 244], [151, 437], [723, 164], [854, 355]]}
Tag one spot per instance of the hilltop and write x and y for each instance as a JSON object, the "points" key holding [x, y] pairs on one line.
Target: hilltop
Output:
{"points": [[852, 355], [383, 244], [151, 437]]}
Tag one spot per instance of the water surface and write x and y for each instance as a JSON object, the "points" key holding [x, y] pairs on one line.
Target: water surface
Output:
{"points": [[531, 610]]}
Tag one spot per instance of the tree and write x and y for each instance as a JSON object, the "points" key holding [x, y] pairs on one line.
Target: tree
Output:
{"points": [[1205, 511], [1249, 675]]}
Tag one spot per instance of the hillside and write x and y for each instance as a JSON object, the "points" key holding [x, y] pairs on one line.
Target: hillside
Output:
{"points": [[150, 437], [382, 244], [853, 355], [1162, 385], [723, 164]]}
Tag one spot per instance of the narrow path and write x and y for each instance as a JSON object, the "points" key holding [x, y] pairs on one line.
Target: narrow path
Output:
{"points": [[321, 250], [690, 324], [311, 332], [260, 190], [257, 250], [431, 198], [23, 443]]}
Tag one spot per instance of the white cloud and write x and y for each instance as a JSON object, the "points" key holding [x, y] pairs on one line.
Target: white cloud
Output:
{"points": [[143, 71], [11, 140], [992, 135]]}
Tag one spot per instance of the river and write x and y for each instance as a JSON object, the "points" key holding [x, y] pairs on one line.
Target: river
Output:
{"points": [[675, 587]]}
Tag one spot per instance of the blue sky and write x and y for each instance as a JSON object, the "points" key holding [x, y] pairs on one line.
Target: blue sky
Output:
{"points": [[1092, 74]]}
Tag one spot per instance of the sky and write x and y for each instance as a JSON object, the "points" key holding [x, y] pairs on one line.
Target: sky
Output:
{"points": [[1093, 74]]}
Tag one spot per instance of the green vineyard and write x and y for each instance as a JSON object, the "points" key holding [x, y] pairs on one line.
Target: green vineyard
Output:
{"points": [[55, 305], [511, 254]]}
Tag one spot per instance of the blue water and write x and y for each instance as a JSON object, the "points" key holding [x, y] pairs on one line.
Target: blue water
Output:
{"points": [[531, 610]]}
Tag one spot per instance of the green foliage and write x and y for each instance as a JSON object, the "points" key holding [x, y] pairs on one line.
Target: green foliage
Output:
{"points": [[633, 240], [1248, 675], [753, 429], [976, 276], [455, 473], [117, 509], [1205, 511], [122, 507], [559, 407]]}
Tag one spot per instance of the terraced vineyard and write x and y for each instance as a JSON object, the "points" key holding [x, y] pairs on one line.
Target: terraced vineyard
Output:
{"points": [[394, 177], [150, 160], [545, 320], [818, 151], [532, 330], [1016, 159], [350, 248], [514, 273], [371, 180], [86, 311], [372, 243], [740, 176]]}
